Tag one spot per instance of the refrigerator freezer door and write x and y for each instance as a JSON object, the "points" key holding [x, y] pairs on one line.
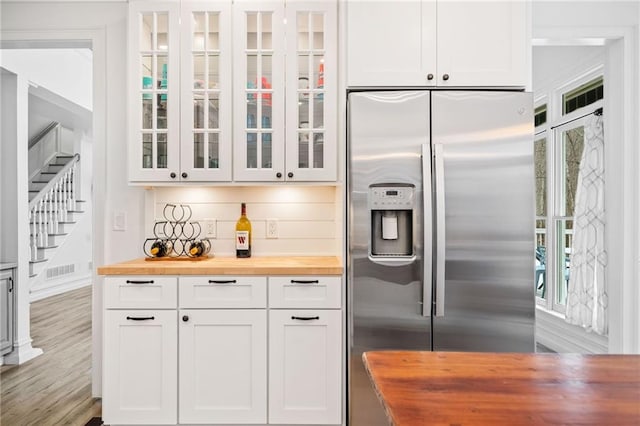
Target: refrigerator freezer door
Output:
{"points": [[386, 134], [487, 159]]}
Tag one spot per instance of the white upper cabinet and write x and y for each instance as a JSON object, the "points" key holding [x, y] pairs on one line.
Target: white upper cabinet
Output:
{"points": [[154, 91], [259, 43], [206, 91], [180, 91], [437, 42], [265, 49]]}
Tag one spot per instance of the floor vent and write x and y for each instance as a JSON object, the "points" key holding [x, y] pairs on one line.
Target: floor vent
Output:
{"points": [[58, 271]]}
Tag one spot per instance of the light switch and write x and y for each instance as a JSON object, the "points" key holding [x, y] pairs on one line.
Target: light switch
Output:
{"points": [[119, 221]]}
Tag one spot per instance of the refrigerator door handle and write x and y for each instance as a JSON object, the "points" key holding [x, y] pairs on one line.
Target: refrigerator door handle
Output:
{"points": [[427, 226], [440, 229]]}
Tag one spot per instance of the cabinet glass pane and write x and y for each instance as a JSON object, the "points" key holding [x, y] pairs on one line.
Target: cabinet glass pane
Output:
{"points": [[198, 31], [198, 111], [146, 63], [303, 71], [252, 30], [266, 116], [162, 150], [146, 32], [198, 150], [251, 111], [213, 40], [163, 31], [214, 71], [266, 150], [161, 72], [318, 111], [198, 71], [214, 107], [318, 31], [252, 71], [147, 110], [303, 110], [265, 81], [303, 150], [318, 150], [318, 71], [572, 146], [161, 113], [266, 31], [252, 151], [147, 150], [214, 155], [303, 31]]}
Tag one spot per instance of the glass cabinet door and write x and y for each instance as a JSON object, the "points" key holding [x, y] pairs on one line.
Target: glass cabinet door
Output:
{"points": [[311, 97], [154, 86], [259, 91], [206, 91]]}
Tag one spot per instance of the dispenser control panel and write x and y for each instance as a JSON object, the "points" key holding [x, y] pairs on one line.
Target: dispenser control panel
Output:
{"points": [[391, 197]]}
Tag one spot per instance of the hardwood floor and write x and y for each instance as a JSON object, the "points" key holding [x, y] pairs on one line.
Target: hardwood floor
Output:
{"points": [[54, 388]]}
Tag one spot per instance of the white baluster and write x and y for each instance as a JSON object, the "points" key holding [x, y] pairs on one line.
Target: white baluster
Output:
{"points": [[33, 240], [41, 230], [73, 186]]}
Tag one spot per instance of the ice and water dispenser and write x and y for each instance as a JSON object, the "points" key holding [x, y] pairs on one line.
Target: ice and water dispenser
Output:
{"points": [[392, 212]]}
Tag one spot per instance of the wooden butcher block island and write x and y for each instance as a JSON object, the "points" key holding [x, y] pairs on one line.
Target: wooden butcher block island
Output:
{"points": [[448, 388], [267, 265]]}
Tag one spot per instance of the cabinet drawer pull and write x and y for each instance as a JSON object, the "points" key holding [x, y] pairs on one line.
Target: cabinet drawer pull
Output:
{"points": [[139, 282], [222, 281], [140, 318], [304, 281], [305, 318]]}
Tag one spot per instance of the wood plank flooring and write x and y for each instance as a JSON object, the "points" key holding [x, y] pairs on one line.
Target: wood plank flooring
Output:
{"points": [[54, 388]]}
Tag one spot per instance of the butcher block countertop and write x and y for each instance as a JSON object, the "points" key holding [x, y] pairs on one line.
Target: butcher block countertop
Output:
{"points": [[257, 265], [448, 388]]}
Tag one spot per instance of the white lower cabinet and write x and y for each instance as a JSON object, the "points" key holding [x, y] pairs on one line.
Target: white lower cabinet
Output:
{"points": [[223, 366], [140, 381], [305, 364]]}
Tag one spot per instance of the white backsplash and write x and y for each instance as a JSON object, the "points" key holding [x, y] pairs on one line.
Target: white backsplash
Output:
{"points": [[308, 216]]}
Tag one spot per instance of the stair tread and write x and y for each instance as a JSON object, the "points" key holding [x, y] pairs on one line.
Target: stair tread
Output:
{"points": [[33, 275], [40, 181], [46, 247], [38, 260], [52, 235]]}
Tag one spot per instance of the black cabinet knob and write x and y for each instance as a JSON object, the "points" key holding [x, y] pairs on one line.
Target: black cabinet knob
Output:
{"points": [[429, 76], [445, 77], [290, 174], [185, 318], [184, 175], [278, 175], [173, 175]]}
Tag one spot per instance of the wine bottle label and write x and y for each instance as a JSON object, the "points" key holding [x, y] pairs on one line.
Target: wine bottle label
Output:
{"points": [[242, 240]]}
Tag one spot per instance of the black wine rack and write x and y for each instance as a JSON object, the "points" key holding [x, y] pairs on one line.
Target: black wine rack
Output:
{"points": [[176, 236]]}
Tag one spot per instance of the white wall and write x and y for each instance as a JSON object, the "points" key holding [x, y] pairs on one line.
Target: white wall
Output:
{"points": [[306, 216], [617, 23], [67, 72]]}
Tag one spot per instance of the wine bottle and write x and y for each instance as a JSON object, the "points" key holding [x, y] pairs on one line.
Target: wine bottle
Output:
{"points": [[161, 248], [243, 234], [196, 249]]}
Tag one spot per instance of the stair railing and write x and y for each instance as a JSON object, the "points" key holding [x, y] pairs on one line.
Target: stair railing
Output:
{"points": [[51, 206]]}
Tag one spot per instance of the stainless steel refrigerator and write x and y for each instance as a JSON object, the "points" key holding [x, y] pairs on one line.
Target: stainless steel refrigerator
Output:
{"points": [[440, 227]]}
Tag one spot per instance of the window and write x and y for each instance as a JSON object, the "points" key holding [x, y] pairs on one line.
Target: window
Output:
{"points": [[558, 147], [582, 96]]}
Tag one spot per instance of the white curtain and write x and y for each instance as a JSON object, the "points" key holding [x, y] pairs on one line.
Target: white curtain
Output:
{"points": [[587, 293]]}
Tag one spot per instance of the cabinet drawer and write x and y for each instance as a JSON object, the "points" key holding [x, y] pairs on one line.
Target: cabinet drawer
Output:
{"points": [[223, 292], [141, 292], [305, 292]]}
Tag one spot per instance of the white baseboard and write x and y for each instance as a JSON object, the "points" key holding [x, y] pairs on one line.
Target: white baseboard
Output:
{"points": [[553, 332], [22, 352], [60, 287]]}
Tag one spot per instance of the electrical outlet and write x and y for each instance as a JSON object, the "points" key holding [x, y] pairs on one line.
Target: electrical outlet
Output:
{"points": [[272, 228], [209, 228]]}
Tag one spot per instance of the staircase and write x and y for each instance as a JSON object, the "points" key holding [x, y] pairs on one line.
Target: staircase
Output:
{"points": [[53, 208]]}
